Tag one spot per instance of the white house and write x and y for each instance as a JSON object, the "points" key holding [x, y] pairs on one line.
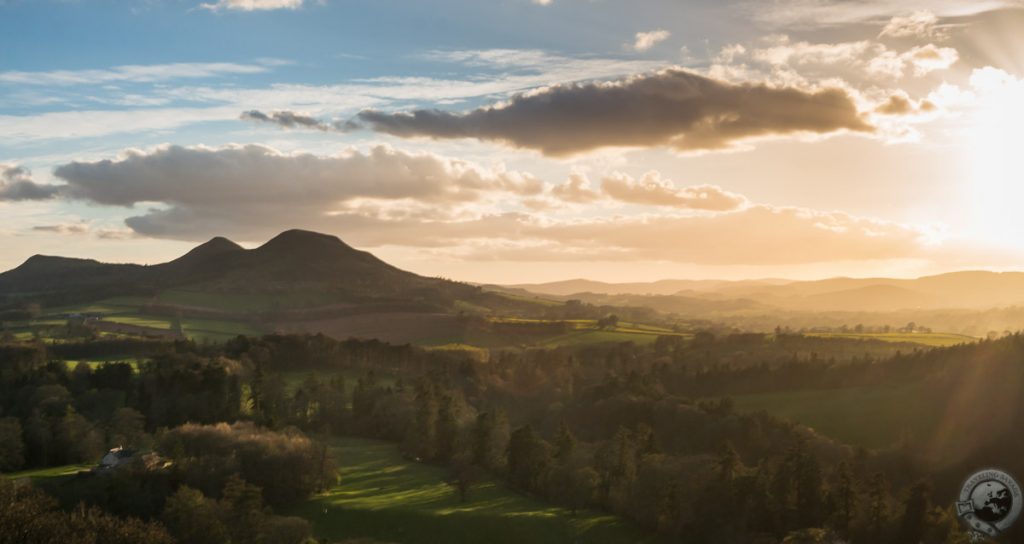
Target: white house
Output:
{"points": [[116, 457]]}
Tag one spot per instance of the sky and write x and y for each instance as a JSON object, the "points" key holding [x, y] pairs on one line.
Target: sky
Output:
{"points": [[519, 141]]}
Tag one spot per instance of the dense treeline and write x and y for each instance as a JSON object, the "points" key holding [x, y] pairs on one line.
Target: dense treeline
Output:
{"points": [[29, 516], [287, 466], [182, 411]]}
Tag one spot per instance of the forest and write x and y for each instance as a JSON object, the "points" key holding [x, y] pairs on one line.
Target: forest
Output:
{"points": [[649, 433]]}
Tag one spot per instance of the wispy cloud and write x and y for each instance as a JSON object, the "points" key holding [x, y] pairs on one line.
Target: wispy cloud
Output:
{"points": [[134, 73], [94, 123], [495, 73], [828, 13], [252, 5], [646, 40], [290, 119], [63, 228], [920, 24]]}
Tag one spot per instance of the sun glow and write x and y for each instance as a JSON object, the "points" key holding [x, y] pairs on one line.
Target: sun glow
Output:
{"points": [[996, 151]]}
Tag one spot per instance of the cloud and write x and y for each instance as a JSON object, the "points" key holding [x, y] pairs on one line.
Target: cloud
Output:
{"points": [[94, 123], [921, 60], [901, 104], [252, 5], [674, 108], [290, 119], [756, 235], [223, 183], [652, 190], [577, 190], [929, 58], [16, 184], [832, 13], [782, 61], [134, 73], [63, 228], [646, 40], [786, 52], [919, 24]]}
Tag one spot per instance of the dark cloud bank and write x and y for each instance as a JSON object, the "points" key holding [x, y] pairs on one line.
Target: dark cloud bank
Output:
{"points": [[16, 184], [673, 108]]}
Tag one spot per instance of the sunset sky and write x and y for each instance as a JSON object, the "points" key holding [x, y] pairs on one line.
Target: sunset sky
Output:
{"points": [[520, 141]]}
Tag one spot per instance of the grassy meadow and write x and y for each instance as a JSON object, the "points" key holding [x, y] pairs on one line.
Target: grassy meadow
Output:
{"points": [[387, 498], [49, 472], [930, 339]]}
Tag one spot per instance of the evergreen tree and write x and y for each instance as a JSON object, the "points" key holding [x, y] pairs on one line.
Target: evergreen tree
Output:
{"points": [[421, 438], [844, 498], [447, 428], [565, 443], [915, 514], [528, 459], [876, 507]]}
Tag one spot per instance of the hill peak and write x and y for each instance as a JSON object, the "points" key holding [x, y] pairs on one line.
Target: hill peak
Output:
{"points": [[299, 236], [202, 253], [48, 261], [217, 244], [305, 242]]}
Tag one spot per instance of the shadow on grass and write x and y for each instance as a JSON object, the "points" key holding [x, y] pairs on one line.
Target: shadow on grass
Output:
{"points": [[385, 497], [414, 527]]}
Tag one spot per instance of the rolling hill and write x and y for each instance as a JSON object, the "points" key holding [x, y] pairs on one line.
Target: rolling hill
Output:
{"points": [[294, 261]]}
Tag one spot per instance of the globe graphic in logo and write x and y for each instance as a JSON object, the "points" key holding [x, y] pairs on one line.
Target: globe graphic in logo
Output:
{"points": [[992, 501]]}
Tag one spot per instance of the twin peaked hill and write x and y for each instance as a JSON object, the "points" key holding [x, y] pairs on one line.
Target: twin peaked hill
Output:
{"points": [[292, 261]]}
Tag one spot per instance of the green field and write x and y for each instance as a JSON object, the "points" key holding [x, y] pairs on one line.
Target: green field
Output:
{"points": [[873, 417], [152, 322], [597, 336], [933, 339], [49, 472], [586, 331], [129, 311], [132, 311], [216, 330], [387, 498], [95, 362]]}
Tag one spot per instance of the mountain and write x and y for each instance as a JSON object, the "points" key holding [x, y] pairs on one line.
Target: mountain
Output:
{"points": [[320, 266]]}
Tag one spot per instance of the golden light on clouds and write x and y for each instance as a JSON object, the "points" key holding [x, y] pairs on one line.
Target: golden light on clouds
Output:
{"points": [[888, 145]]}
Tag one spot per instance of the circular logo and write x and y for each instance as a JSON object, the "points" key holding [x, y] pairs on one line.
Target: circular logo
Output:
{"points": [[990, 501]]}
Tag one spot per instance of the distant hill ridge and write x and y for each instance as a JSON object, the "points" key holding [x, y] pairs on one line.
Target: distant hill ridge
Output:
{"points": [[973, 289], [294, 259]]}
